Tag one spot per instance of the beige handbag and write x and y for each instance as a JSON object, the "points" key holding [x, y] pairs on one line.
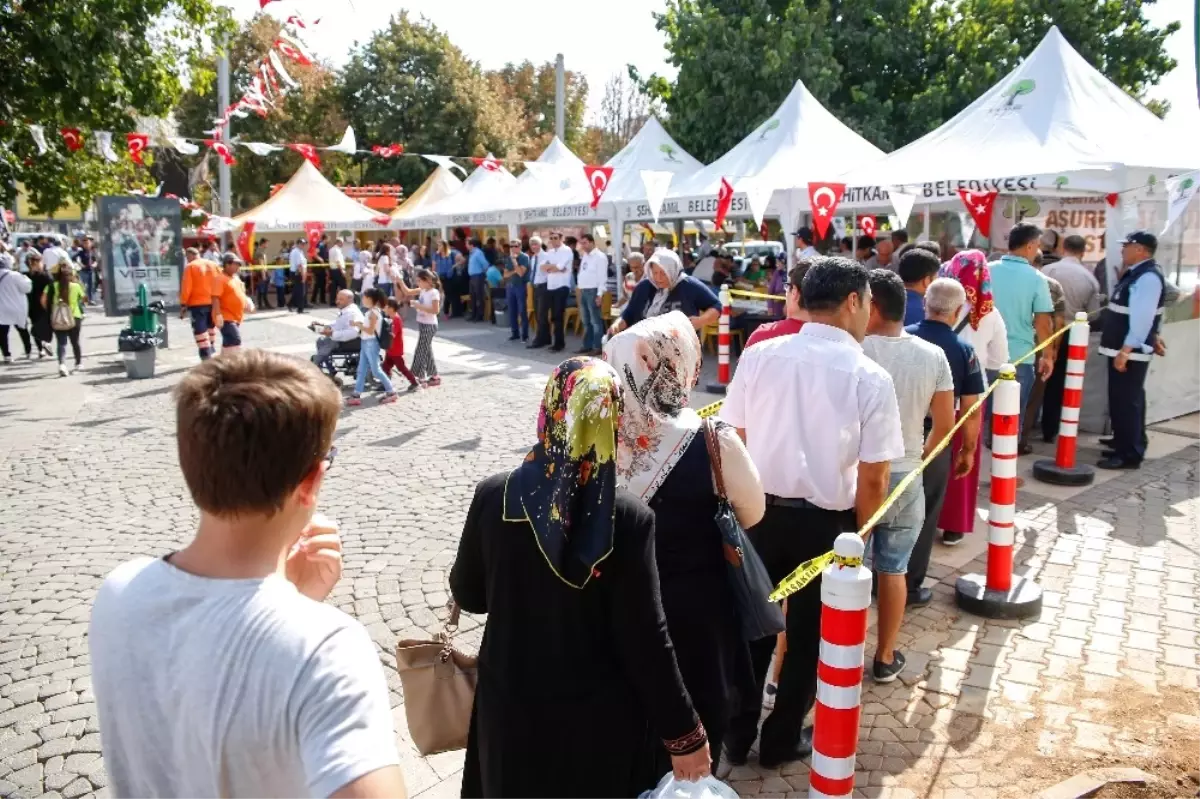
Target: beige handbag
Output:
{"points": [[439, 689]]}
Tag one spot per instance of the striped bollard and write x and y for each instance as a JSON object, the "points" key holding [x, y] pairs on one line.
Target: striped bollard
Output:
{"points": [[722, 344], [1063, 470], [997, 596], [845, 600]]}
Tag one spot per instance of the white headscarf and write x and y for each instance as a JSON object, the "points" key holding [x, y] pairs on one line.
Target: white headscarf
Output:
{"points": [[669, 262], [659, 363]]}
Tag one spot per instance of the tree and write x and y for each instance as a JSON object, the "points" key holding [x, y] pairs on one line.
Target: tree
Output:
{"points": [[95, 65], [410, 85], [532, 92], [310, 114], [623, 111]]}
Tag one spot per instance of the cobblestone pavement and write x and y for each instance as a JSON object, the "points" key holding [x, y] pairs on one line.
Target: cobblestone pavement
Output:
{"points": [[88, 479]]}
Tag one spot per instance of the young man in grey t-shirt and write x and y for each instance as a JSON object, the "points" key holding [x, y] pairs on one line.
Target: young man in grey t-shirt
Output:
{"points": [[924, 386], [218, 670]]}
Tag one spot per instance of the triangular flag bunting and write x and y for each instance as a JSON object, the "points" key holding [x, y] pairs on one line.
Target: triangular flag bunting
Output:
{"points": [[137, 143], [396, 150], [308, 151], [183, 146], [979, 205], [902, 202], [383, 220], [222, 149], [1111, 199], [724, 201], [72, 138], [966, 222], [347, 145], [104, 146], [313, 231], [867, 225], [758, 193], [263, 3], [292, 49], [597, 177], [1180, 191], [823, 198], [260, 148], [656, 182], [277, 64], [39, 138], [490, 163], [442, 161]]}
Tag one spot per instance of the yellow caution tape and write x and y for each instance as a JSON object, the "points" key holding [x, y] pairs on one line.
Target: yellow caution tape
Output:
{"points": [[806, 572], [756, 295], [260, 268], [709, 410]]}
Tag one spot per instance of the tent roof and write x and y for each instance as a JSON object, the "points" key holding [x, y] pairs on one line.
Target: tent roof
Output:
{"points": [[440, 184], [1054, 114], [309, 197], [801, 142], [471, 204]]}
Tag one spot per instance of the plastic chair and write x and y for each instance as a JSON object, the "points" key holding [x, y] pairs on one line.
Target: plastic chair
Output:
{"points": [[530, 311], [711, 334]]}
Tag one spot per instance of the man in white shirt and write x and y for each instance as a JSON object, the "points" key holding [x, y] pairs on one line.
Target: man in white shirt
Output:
{"points": [[541, 309], [340, 335], [821, 423], [337, 268], [54, 255], [298, 266], [362, 262], [924, 387], [212, 253], [219, 670], [557, 263], [593, 285], [804, 245]]}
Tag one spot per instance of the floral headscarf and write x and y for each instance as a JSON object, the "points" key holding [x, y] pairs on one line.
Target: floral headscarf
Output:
{"points": [[566, 488], [659, 363], [970, 268]]}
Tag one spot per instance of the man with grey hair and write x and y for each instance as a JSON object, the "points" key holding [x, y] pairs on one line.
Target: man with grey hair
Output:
{"points": [[541, 309], [944, 298]]}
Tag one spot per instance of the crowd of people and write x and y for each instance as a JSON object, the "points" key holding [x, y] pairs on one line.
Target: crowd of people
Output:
{"points": [[44, 290]]}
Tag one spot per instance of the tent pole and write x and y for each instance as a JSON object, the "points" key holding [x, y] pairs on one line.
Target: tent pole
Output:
{"points": [[925, 223], [618, 240]]}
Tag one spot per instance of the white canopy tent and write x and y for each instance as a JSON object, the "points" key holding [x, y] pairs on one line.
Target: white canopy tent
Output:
{"points": [[473, 204], [442, 183], [309, 197]]}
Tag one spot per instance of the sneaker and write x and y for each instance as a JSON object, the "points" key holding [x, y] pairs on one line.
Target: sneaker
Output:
{"points": [[387, 399], [414, 387], [769, 695], [888, 672], [354, 401], [951, 539], [63, 371]]}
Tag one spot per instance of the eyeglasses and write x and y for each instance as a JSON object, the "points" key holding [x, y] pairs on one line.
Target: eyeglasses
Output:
{"points": [[329, 458]]}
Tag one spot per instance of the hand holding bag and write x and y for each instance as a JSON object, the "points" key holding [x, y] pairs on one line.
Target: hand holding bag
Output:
{"points": [[748, 578], [439, 689]]}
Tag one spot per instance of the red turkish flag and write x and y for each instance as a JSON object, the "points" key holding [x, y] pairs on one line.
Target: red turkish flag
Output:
{"points": [[724, 200], [489, 163], [763, 231], [293, 52], [245, 242], [263, 3], [867, 224], [313, 231], [979, 204], [598, 177], [382, 220], [222, 149], [823, 198], [73, 138], [309, 152], [138, 142], [388, 150], [1111, 199]]}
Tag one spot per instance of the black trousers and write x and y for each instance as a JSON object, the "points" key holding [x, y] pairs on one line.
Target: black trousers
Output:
{"points": [[1127, 409], [72, 336], [337, 280], [1052, 399], [541, 314], [299, 295], [318, 287], [934, 480], [21, 331], [556, 302], [479, 292], [785, 538]]}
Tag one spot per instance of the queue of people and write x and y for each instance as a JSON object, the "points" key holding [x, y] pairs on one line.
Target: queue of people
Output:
{"points": [[42, 306]]}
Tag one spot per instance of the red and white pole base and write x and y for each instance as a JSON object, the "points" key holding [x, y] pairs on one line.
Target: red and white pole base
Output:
{"points": [[723, 371], [997, 595], [845, 600], [1063, 470]]}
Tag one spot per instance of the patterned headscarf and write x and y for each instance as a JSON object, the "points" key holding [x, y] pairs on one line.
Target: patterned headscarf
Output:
{"points": [[566, 488], [970, 268], [659, 363]]}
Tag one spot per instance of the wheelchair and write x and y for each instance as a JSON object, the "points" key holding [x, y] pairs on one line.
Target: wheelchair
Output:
{"points": [[344, 360]]}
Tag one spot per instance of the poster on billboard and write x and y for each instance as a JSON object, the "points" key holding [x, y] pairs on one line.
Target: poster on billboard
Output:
{"points": [[141, 241]]}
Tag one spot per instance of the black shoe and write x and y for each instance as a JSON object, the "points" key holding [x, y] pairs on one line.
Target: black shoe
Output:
{"points": [[919, 598], [802, 750], [1108, 453], [1115, 463], [1107, 442], [513, 338], [534, 346], [584, 351], [951, 539], [733, 758], [557, 349], [888, 672]]}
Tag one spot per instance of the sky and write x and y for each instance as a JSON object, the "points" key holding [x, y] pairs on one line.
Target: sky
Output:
{"points": [[601, 43]]}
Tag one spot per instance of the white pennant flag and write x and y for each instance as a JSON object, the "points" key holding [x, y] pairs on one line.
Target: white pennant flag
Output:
{"points": [[347, 145], [277, 64], [1180, 191], [839, 227], [902, 202], [104, 146], [260, 148], [758, 193], [656, 184], [183, 145], [445, 161], [39, 138], [966, 223]]}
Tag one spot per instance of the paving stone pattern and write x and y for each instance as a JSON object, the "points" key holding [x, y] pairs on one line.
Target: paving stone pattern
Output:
{"points": [[89, 479]]}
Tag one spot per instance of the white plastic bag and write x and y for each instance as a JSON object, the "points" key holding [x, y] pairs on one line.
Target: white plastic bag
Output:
{"points": [[708, 788]]}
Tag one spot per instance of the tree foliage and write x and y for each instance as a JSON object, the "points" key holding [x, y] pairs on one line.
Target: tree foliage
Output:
{"points": [[623, 111], [529, 95], [95, 65], [891, 69]]}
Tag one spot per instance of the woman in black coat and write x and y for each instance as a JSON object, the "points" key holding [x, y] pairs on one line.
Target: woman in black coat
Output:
{"points": [[39, 317]]}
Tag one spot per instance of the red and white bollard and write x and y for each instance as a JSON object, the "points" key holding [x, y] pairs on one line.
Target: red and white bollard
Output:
{"points": [[1063, 470], [996, 596], [845, 600], [723, 372]]}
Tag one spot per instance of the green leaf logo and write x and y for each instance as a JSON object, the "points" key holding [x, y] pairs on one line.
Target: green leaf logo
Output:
{"points": [[1151, 182], [669, 152], [1061, 181], [1185, 185], [1022, 87], [770, 126]]}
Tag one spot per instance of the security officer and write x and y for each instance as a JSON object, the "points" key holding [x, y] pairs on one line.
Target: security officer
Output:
{"points": [[1131, 322]]}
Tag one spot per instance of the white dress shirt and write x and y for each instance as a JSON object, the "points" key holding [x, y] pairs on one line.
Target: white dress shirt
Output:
{"points": [[53, 256], [593, 271], [342, 328], [336, 259], [562, 257], [990, 340], [813, 405], [808, 252], [297, 260]]}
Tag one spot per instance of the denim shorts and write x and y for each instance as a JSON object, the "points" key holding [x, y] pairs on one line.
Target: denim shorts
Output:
{"points": [[895, 535], [202, 320], [231, 335]]}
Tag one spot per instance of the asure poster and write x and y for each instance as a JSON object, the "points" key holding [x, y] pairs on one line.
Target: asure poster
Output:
{"points": [[141, 241]]}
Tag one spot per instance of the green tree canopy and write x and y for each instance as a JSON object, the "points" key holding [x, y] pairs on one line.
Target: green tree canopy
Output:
{"points": [[529, 92], [95, 65]]}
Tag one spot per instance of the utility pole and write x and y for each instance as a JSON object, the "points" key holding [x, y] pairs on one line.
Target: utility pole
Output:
{"points": [[560, 98], [222, 167]]}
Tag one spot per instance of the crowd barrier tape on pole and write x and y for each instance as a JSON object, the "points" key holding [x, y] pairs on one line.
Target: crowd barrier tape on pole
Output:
{"points": [[754, 295]]}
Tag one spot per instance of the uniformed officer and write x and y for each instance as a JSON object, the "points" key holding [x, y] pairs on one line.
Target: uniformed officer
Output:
{"points": [[1131, 322]]}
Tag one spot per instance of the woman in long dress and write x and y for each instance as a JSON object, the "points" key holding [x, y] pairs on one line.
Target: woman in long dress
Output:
{"points": [[578, 684], [982, 327], [663, 458]]}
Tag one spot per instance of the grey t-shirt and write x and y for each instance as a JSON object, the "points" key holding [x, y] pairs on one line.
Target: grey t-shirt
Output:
{"points": [[919, 370], [232, 687]]}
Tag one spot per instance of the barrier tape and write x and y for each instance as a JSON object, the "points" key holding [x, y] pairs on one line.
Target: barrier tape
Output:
{"points": [[756, 295], [259, 268]]}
